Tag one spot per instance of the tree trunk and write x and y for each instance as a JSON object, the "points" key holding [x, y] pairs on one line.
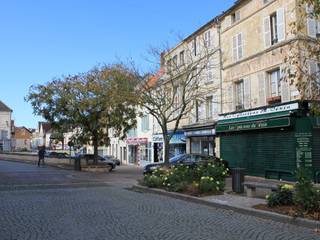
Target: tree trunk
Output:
{"points": [[166, 146], [95, 152]]}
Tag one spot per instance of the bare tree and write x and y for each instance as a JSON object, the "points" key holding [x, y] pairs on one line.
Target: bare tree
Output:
{"points": [[174, 92], [303, 57]]}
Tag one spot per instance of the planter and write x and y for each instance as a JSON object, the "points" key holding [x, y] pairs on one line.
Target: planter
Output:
{"points": [[273, 100]]}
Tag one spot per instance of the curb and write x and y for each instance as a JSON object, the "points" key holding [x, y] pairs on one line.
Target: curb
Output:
{"points": [[300, 222]]}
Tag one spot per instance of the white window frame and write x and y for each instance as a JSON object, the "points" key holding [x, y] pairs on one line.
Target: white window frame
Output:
{"points": [[239, 94], [277, 91]]}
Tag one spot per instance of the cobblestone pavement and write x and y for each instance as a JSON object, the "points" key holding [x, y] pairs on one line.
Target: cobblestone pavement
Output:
{"points": [[16, 173], [115, 213]]}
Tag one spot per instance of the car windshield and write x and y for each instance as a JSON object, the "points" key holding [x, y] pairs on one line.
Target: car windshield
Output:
{"points": [[177, 158]]}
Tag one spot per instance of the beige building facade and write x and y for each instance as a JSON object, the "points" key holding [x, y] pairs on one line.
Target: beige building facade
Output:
{"points": [[255, 42]]}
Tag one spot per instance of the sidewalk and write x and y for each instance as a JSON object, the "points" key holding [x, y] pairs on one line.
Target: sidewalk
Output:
{"points": [[237, 202]]}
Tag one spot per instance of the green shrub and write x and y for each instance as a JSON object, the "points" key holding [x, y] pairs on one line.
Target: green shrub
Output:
{"points": [[283, 197], [306, 196], [152, 181], [210, 185], [209, 177]]}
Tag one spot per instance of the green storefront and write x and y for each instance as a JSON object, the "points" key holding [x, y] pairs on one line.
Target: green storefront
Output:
{"points": [[271, 141]]}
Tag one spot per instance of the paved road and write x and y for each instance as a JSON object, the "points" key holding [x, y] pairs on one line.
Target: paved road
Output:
{"points": [[17, 174], [114, 212]]}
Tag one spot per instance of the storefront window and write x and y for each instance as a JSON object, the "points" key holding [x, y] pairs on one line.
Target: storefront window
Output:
{"points": [[202, 145]]}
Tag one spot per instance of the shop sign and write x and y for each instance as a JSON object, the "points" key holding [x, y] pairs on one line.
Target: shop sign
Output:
{"points": [[262, 124], [259, 112], [199, 133], [137, 141], [177, 138]]}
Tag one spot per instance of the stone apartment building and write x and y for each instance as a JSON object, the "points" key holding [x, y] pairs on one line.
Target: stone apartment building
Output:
{"points": [[201, 48], [264, 128]]}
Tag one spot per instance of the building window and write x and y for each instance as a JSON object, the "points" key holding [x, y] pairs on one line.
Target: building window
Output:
{"points": [[313, 24], [274, 83], [274, 28], [195, 46], [237, 43], [235, 17], [314, 80], [181, 58], [207, 38], [145, 123], [132, 132], [239, 92], [273, 24], [209, 107], [175, 61]]}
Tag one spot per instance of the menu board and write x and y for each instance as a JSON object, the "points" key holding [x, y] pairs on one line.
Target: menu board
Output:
{"points": [[304, 149]]}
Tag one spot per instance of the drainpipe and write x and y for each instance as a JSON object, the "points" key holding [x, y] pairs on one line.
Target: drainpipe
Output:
{"points": [[220, 66]]}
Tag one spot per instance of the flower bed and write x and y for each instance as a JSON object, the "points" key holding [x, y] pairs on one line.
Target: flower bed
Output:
{"points": [[204, 179], [299, 200]]}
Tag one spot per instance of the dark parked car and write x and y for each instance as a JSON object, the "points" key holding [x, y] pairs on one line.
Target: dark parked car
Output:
{"points": [[111, 158], [56, 154], [185, 159], [90, 158]]}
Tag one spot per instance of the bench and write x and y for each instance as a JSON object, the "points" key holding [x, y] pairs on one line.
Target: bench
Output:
{"points": [[252, 186], [279, 172]]}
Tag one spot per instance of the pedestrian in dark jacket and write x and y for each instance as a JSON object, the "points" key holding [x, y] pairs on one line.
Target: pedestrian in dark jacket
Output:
{"points": [[41, 153]]}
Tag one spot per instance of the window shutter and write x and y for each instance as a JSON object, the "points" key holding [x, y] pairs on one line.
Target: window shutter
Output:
{"points": [[230, 98], [202, 111], [311, 23], [215, 105], [240, 49], [247, 93], [281, 27], [262, 89], [312, 72], [267, 32], [285, 87], [234, 47]]}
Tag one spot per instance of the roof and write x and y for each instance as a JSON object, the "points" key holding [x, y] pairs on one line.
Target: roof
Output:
{"points": [[4, 108], [23, 128], [153, 80], [45, 126], [232, 8]]}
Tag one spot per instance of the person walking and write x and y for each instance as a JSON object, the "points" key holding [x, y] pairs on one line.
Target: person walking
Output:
{"points": [[41, 153]]}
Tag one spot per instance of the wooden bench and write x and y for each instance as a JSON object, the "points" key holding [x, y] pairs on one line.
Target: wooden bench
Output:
{"points": [[252, 186], [279, 172]]}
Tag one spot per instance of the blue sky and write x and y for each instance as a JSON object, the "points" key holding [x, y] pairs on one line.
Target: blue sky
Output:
{"points": [[43, 39]]}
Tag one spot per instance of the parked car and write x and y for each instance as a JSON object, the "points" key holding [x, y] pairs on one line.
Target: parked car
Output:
{"points": [[56, 154], [90, 157], [111, 158], [185, 159]]}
